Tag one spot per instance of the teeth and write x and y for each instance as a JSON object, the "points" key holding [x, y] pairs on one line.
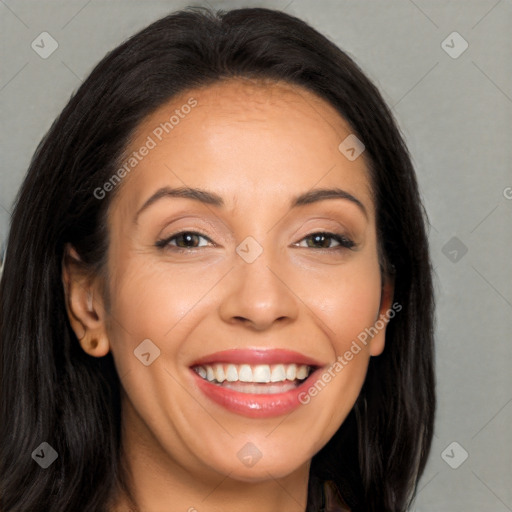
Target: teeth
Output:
{"points": [[245, 373], [278, 373], [258, 389], [231, 374], [302, 372], [218, 371], [261, 373], [291, 372]]}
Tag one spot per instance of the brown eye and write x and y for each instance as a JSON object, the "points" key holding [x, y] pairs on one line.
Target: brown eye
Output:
{"points": [[323, 240], [184, 240]]}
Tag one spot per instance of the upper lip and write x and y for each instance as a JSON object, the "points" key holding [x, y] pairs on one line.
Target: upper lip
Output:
{"points": [[257, 356]]}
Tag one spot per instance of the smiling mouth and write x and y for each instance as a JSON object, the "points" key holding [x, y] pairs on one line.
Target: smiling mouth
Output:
{"points": [[255, 379]]}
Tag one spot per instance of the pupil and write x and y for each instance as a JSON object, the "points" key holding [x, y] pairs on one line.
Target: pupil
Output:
{"points": [[188, 238], [319, 239]]}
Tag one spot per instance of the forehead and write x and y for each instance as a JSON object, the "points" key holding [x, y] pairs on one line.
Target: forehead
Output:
{"points": [[243, 138]]}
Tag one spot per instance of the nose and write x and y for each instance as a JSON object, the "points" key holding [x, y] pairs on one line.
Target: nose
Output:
{"points": [[259, 294]]}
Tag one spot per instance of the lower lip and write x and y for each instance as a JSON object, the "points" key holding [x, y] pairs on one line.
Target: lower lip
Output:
{"points": [[254, 405]]}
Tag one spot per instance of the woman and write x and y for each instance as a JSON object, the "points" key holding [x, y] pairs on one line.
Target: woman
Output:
{"points": [[217, 291]]}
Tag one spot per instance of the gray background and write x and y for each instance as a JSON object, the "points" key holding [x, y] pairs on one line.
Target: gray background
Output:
{"points": [[455, 114]]}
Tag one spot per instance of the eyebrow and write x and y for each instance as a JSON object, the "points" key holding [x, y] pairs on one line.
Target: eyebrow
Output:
{"points": [[319, 194], [206, 197]]}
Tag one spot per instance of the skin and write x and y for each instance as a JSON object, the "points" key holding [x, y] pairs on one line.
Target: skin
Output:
{"points": [[257, 146]]}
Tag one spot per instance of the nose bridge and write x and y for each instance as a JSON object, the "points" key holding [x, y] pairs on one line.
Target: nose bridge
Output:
{"points": [[258, 293]]}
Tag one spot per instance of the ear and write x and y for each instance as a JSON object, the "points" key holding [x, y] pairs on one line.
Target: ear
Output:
{"points": [[378, 341], [84, 304]]}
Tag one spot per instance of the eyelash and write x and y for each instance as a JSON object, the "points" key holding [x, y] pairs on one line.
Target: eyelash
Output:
{"points": [[345, 243]]}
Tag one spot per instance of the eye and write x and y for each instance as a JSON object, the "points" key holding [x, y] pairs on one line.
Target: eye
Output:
{"points": [[184, 240], [323, 240]]}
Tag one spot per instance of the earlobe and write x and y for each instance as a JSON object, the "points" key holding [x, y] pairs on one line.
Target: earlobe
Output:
{"points": [[96, 347], [83, 306]]}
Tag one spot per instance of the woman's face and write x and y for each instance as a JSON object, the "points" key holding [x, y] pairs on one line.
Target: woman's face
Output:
{"points": [[250, 288]]}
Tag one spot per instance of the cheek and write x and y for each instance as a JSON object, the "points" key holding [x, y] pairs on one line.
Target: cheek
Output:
{"points": [[357, 308], [346, 300], [151, 297], [347, 308], [151, 300]]}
